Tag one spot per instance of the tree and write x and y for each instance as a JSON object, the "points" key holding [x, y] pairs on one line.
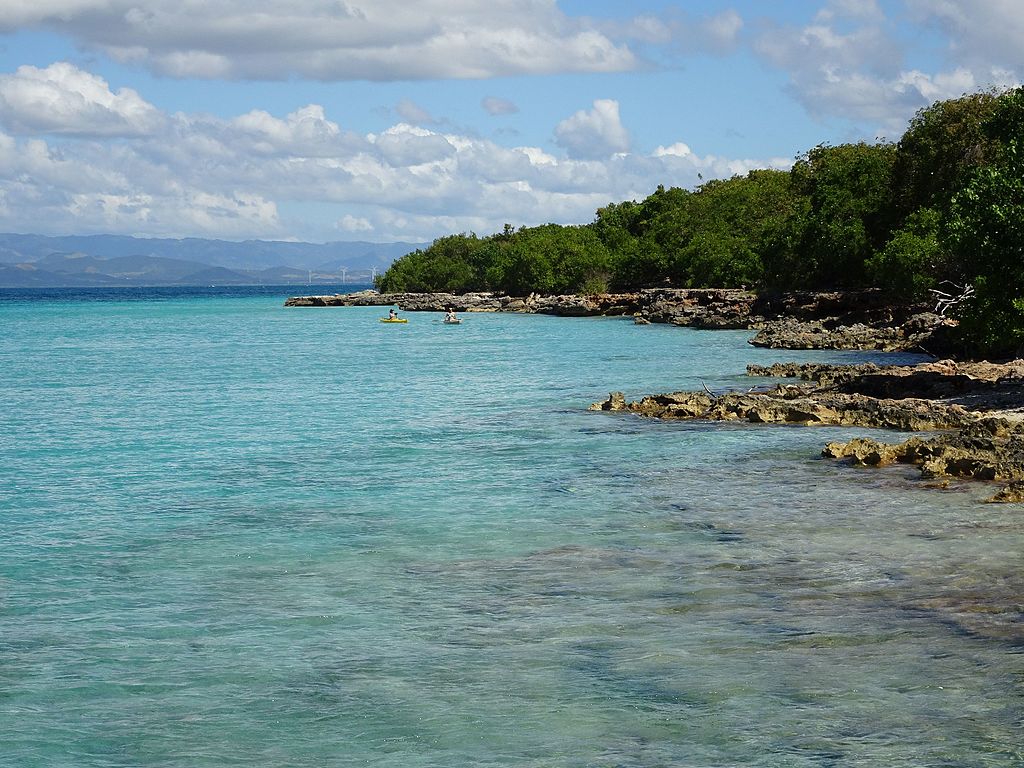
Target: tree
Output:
{"points": [[914, 260], [446, 265], [552, 259], [847, 217], [942, 145], [986, 232], [728, 226]]}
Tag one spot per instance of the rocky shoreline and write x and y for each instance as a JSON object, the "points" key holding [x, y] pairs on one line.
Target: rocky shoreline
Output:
{"points": [[803, 320], [977, 407]]}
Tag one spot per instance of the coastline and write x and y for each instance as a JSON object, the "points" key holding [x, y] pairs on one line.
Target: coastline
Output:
{"points": [[864, 319], [977, 407]]}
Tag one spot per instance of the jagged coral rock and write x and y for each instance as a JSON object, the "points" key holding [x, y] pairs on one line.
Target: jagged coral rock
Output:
{"points": [[1012, 493], [978, 444]]}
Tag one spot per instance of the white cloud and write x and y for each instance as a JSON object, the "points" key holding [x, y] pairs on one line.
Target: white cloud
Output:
{"points": [[495, 106], [305, 132], [844, 64], [250, 175], [811, 51], [412, 112], [984, 35], [674, 150], [848, 62], [594, 134], [718, 34], [383, 40], [350, 223], [406, 146], [721, 32], [62, 99], [863, 10]]}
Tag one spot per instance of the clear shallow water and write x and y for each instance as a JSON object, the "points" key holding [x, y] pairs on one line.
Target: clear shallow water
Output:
{"points": [[239, 534]]}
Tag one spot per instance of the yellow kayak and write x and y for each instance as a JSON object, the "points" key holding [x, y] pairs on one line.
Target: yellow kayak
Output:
{"points": [[396, 320]]}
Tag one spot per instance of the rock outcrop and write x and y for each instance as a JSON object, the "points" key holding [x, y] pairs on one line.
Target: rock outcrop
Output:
{"points": [[918, 332], [979, 405], [409, 302], [796, 405], [976, 386], [990, 448], [712, 308]]}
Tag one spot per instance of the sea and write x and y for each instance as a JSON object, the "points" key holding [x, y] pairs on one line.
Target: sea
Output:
{"points": [[238, 534]]}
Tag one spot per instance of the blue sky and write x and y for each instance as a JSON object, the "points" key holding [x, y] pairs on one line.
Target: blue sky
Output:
{"points": [[405, 120]]}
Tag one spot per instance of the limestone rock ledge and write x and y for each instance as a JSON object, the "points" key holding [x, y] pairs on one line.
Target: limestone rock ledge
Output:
{"points": [[796, 405], [917, 332], [980, 406], [978, 386], [990, 449]]}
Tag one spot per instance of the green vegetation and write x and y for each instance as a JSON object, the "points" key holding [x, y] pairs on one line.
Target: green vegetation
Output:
{"points": [[944, 206], [986, 233]]}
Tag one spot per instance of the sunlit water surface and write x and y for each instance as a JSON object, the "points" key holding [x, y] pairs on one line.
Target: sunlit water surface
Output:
{"points": [[239, 534]]}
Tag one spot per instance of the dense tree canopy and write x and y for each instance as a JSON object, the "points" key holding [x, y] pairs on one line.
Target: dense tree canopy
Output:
{"points": [[846, 217], [940, 148], [986, 229], [943, 204], [546, 259]]}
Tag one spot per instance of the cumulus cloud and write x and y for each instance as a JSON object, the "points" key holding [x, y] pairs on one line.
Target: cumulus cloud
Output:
{"points": [[306, 132], [404, 146], [495, 106], [250, 175], [593, 134], [717, 34], [350, 223], [984, 35], [848, 61], [62, 99], [845, 64], [383, 40], [673, 150]]}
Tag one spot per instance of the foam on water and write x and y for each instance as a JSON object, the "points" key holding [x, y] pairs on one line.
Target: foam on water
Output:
{"points": [[239, 534]]}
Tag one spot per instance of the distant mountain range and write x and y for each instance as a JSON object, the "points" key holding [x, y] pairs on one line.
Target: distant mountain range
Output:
{"points": [[108, 260]]}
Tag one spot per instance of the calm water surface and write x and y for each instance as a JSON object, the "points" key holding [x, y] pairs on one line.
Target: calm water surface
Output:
{"points": [[238, 534]]}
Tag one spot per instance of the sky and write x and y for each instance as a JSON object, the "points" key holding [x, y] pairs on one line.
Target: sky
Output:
{"points": [[406, 120]]}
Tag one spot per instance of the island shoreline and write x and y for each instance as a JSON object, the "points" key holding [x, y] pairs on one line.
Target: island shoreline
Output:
{"points": [[977, 407]]}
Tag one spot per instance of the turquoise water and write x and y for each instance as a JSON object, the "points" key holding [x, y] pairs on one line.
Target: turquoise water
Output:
{"points": [[239, 534]]}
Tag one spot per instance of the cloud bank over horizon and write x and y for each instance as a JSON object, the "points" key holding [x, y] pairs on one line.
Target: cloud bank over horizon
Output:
{"points": [[571, 112]]}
